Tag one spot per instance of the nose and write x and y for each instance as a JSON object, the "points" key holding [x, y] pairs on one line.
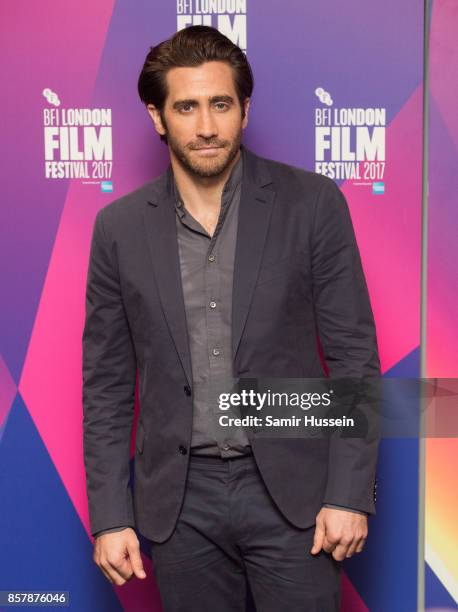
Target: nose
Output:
{"points": [[206, 124]]}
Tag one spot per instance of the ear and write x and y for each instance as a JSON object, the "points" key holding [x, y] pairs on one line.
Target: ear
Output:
{"points": [[156, 117], [246, 105]]}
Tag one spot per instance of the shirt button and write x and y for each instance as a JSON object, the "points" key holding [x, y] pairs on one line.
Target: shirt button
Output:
{"points": [[211, 258], [216, 352], [225, 447], [212, 304], [182, 449]]}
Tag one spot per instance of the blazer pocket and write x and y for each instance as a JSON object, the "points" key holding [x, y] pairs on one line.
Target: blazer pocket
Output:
{"points": [[140, 437], [279, 269]]}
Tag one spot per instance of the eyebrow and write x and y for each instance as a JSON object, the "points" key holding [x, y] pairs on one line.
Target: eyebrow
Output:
{"points": [[228, 99]]}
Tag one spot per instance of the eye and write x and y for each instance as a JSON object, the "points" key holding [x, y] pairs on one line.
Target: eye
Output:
{"points": [[221, 105], [186, 107]]}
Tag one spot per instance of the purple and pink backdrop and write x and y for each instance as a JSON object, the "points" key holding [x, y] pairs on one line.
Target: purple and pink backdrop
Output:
{"points": [[307, 57]]}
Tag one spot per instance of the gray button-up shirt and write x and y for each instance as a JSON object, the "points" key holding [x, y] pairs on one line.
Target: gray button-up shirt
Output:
{"points": [[207, 267]]}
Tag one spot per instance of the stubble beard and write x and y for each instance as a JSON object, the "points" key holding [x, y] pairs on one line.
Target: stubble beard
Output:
{"points": [[205, 166]]}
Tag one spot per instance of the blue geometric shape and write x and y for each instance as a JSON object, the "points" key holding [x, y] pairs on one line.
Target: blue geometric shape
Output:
{"points": [[385, 573], [44, 545], [407, 367], [436, 595]]}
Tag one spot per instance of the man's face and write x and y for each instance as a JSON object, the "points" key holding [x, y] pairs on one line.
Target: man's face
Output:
{"points": [[203, 118]]}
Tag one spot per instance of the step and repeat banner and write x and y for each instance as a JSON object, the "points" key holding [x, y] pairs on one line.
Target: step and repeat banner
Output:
{"points": [[441, 454], [338, 90]]}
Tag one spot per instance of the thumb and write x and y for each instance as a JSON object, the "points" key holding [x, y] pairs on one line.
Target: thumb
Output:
{"points": [[318, 539], [136, 559]]}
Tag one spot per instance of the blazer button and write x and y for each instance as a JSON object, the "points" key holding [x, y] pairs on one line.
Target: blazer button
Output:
{"points": [[187, 389], [182, 449]]}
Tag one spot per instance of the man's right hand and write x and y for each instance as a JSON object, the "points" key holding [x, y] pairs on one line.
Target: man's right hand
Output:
{"points": [[118, 556]]}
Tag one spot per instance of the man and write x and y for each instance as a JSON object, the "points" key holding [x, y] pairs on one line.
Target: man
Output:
{"points": [[225, 265]]}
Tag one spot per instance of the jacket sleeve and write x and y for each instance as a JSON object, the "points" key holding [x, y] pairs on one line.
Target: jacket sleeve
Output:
{"points": [[346, 329], [109, 378], [113, 529]]}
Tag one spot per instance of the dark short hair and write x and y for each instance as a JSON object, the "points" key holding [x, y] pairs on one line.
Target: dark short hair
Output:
{"points": [[192, 46]]}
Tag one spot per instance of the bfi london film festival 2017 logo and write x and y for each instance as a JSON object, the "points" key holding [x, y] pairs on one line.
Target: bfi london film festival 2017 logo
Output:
{"points": [[350, 143], [77, 143], [227, 16]]}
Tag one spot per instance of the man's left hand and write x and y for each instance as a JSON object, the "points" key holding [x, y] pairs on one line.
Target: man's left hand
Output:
{"points": [[339, 532]]}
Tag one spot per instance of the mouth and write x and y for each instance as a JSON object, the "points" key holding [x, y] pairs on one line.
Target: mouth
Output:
{"points": [[206, 151]]}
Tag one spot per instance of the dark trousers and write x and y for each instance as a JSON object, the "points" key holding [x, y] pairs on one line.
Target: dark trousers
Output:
{"points": [[231, 536]]}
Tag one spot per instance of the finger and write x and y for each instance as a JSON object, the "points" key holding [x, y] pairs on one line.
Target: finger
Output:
{"points": [[339, 552], [106, 574], [329, 544], [121, 567], [318, 538], [360, 546], [135, 559], [97, 560], [112, 573], [122, 570], [352, 548]]}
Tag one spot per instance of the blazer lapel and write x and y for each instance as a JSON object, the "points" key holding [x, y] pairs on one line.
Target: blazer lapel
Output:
{"points": [[160, 225], [255, 210], [256, 203]]}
